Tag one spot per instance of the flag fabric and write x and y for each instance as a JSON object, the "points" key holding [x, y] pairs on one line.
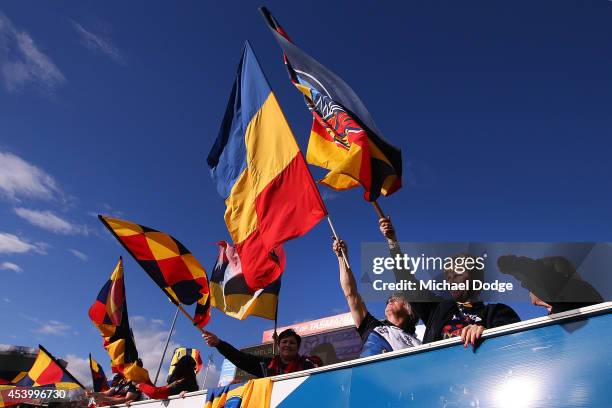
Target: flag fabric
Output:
{"points": [[252, 394], [168, 262], [230, 293], [6, 377], [109, 314], [185, 351], [259, 170], [344, 138], [100, 383], [48, 372]]}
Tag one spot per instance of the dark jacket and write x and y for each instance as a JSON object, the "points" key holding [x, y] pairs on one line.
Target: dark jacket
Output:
{"points": [[261, 366], [436, 312], [437, 315]]}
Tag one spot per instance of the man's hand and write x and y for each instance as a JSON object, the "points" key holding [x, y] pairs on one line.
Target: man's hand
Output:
{"points": [[470, 334], [536, 301], [211, 339], [338, 246], [386, 228]]}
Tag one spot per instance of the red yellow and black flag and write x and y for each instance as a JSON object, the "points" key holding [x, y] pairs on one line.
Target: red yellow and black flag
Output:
{"points": [[49, 373], [344, 138], [180, 352], [168, 262], [100, 383], [109, 314]]}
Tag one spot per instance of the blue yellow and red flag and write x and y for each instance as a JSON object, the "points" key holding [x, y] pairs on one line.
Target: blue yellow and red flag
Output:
{"points": [[344, 138], [49, 373], [168, 262], [259, 170], [185, 351], [230, 293], [100, 383], [252, 394], [109, 314]]}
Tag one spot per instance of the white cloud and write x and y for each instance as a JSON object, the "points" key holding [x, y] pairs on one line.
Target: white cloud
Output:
{"points": [[22, 63], [78, 254], [79, 368], [150, 337], [20, 179], [12, 244], [99, 42], [52, 327], [9, 266], [51, 222]]}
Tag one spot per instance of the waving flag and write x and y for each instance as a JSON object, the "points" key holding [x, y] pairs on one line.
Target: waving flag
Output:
{"points": [[185, 351], [171, 266], [230, 293], [48, 372], [259, 170], [252, 394], [344, 137], [100, 383], [109, 315]]}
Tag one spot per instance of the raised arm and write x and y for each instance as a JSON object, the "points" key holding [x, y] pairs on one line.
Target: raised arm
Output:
{"points": [[246, 362], [349, 286], [423, 302]]}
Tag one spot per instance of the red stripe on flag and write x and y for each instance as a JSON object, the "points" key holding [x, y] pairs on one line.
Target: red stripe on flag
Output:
{"points": [[290, 205], [50, 375], [287, 208], [139, 247], [259, 267]]}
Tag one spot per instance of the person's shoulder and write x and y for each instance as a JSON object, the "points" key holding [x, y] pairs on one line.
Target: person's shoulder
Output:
{"points": [[502, 310]]}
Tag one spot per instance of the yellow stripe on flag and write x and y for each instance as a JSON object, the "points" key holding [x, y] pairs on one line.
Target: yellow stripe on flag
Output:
{"points": [[268, 131]]}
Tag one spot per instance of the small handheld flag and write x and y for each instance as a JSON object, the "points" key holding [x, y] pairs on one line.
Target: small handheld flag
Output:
{"points": [[109, 314]]}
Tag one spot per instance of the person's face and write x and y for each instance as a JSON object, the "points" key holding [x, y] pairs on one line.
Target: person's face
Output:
{"points": [[395, 309], [288, 348], [454, 277]]}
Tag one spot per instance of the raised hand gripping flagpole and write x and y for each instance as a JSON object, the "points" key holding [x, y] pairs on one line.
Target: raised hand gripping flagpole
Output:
{"points": [[378, 210], [331, 225]]}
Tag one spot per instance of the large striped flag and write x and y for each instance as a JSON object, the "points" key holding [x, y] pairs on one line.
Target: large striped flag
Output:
{"points": [[230, 293], [168, 262], [259, 170], [109, 314], [100, 383], [344, 138], [49, 373]]}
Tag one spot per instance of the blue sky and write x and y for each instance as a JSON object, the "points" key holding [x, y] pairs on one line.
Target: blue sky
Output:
{"points": [[502, 111]]}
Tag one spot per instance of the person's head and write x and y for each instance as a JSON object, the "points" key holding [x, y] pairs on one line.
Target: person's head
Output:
{"points": [[399, 312], [465, 267], [288, 342], [185, 367]]}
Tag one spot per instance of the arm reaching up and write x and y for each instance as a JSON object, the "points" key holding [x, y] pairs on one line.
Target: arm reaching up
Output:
{"points": [[349, 286]]}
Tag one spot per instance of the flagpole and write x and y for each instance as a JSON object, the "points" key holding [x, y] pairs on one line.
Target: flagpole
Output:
{"points": [[378, 210], [210, 360], [274, 335], [161, 360], [331, 225], [183, 311]]}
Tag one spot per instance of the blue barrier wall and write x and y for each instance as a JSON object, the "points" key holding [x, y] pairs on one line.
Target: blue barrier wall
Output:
{"points": [[561, 365]]}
